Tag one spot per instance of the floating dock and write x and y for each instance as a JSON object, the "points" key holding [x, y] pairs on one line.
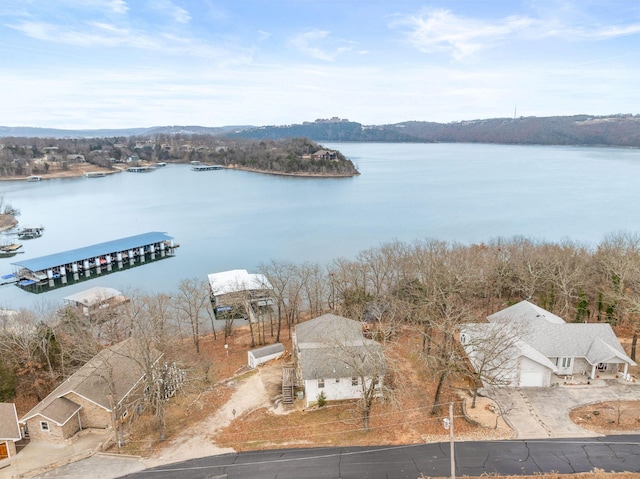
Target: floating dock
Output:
{"points": [[141, 169], [206, 167], [52, 271]]}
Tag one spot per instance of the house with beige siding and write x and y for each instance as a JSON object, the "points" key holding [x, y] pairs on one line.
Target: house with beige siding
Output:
{"points": [[101, 394]]}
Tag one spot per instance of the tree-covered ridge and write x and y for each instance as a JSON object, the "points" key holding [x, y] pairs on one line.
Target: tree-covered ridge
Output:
{"points": [[615, 130], [297, 156]]}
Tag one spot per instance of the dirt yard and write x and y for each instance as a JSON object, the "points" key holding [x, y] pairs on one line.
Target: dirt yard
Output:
{"points": [[608, 417], [239, 411]]}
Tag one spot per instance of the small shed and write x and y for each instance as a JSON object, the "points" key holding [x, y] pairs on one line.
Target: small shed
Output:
{"points": [[9, 430], [261, 355]]}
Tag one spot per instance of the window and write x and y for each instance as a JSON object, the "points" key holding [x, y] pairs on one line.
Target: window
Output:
{"points": [[320, 383], [355, 382], [566, 362], [44, 426]]}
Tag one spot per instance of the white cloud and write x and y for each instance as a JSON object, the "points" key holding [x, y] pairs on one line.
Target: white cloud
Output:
{"points": [[177, 14], [113, 6], [95, 34], [311, 42], [441, 30]]}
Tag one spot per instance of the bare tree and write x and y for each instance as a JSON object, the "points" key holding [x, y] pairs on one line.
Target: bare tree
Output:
{"points": [[190, 304], [366, 362], [490, 348]]}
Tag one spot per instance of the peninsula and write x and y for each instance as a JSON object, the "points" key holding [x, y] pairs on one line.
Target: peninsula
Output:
{"points": [[42, 158]]}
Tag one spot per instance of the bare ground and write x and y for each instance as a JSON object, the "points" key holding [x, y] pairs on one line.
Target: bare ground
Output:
{"points": [[242, 413]]}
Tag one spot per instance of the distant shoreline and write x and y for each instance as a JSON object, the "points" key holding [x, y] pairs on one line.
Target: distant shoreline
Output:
{"points": [[7, 222], [82, 170], [299, 175]]}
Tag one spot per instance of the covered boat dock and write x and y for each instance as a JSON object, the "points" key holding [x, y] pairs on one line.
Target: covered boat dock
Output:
{"points": [[79, 264]]}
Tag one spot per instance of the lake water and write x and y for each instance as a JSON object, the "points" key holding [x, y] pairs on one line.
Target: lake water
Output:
{"points": [[233, 219]]}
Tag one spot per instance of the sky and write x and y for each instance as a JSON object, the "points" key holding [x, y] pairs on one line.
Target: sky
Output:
{"points": [[139, 63]]}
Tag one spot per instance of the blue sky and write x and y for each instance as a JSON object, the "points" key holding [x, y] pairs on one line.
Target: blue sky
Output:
{"points": [[132, 63]]}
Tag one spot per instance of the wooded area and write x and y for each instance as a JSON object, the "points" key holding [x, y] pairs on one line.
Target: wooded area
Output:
{"points": [[428, 287], [36, 156]]}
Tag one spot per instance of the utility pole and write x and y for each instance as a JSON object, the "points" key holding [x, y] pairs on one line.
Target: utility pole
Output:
{"points": [[451, 448]]}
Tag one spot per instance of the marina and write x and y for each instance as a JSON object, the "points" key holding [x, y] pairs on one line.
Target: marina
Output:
{"points": [[52, 271], [95, 174]]}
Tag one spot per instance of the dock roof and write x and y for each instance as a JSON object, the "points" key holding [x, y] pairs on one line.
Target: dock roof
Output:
{"points": [[72, 256]]}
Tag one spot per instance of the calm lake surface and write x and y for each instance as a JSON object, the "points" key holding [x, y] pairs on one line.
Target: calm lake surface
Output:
{"points": [[233, 219]]}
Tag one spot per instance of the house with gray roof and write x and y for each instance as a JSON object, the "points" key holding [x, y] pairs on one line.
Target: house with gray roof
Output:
{"points": [[9, 431], [103, 391], [333, 357], [546, 347]]}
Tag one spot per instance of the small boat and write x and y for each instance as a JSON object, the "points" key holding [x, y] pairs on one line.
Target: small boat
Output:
{"points": [[34, 178], [161, 163], [30, 232], [8, 279], [95, 174]]}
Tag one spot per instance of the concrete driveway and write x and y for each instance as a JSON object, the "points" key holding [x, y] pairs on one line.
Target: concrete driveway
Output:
{"points": [[537, 413]]}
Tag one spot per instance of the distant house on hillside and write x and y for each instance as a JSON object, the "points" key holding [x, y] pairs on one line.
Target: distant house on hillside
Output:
{"points": [[545, 347], [325, 155], [107, 389]]}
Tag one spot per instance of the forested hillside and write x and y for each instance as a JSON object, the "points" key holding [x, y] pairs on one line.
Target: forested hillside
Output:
{"points": [[21, 157], [617, 130]]}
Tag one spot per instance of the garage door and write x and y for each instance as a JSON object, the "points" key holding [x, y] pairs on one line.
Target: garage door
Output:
{"points": [[531, 379], [4, 453]]}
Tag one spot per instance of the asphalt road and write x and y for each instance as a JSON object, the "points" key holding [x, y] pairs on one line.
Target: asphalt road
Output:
{"points": [[611, 453]]}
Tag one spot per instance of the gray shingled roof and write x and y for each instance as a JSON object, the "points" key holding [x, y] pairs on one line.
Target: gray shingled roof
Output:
{"points": [[332, 346], [60, 410], [115, 369], [551, 336], [323, 329], [267, 350], [9, 428], [524, 310]]}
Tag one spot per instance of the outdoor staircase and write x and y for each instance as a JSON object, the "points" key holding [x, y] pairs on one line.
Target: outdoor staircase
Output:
{"points": [[288, 377]]}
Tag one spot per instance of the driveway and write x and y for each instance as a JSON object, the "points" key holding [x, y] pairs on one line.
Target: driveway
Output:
{"points": [[536, 413]]}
